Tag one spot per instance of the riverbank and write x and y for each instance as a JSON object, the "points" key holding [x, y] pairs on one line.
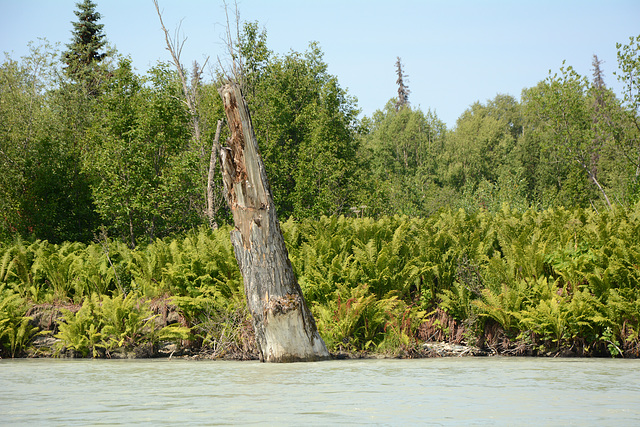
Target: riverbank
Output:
{"points": [[552, 283], [447, 339], [45, 347]]}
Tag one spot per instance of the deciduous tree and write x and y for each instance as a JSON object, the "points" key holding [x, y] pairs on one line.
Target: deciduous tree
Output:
{"points": [[401, 152], [143, 173], [305, 124], [563, 104], [629, 75]]}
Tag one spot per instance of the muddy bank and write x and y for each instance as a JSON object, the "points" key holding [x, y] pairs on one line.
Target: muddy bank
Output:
{"points": [[46, 347]]}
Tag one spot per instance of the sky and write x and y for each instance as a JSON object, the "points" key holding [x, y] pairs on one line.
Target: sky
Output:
{"points": [[455, 52]]}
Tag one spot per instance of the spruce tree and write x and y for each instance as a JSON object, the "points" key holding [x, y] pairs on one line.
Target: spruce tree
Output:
{"points": [[83, 52], [403, 89]]}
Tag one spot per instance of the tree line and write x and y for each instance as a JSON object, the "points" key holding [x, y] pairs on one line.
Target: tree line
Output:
{"points": [[90, 146]]}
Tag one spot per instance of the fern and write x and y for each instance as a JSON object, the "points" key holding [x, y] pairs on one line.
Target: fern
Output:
{"points": [[16, 330], [548, 319], [567, 276], [80, 331], [104, 324]]}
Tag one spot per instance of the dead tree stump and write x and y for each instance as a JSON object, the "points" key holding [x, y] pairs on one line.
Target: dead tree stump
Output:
{"points": [[285, 328]]}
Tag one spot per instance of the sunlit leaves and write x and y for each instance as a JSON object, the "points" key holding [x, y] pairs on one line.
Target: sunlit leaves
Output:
{"points": [[143, 172], [400, 152], [305, 126]]}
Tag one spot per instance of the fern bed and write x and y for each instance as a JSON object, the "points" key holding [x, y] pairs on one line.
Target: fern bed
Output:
{"points": [[538, 283]]}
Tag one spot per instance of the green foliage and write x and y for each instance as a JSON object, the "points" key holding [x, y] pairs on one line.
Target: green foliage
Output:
{"points": [[83, 52], [43, 272], [629, 64], [116, 148], [351, 319], [482, 136], [138, 157], [457, 300], [401, 150], [355, 319], [557, 280], [42, 190], [16, 330], [57, 199], [587, 140], [353, 252], [568, 142], [305, 125], [628, 121], [622, 309], [221, 325], [108, 146], [125, 321], [554, 279], [104, 324], [81, 331], [201, 263]]}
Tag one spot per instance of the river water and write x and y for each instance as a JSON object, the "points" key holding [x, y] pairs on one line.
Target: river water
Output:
{"points": [[446, 391]]}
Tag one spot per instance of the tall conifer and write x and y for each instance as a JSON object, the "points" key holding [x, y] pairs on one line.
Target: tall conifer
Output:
{"points": [[84, 50], [403, 89]]}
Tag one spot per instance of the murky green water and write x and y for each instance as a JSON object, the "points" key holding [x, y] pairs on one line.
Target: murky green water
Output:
{"points": [[469, 391]]}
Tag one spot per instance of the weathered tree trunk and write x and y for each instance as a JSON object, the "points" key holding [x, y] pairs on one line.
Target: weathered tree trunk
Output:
{"points": [[284, 327]]}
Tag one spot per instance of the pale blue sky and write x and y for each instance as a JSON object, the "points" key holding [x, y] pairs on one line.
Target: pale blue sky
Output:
{"points": [[455, 52]]}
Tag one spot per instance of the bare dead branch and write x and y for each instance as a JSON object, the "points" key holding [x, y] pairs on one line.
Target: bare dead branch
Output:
{"points": [[236, 71], [175, 46], [175, 49], [215, 149], [191, 91]]}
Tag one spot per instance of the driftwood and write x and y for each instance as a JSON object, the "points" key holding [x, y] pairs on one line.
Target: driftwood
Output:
{"points": [[285, 328]]}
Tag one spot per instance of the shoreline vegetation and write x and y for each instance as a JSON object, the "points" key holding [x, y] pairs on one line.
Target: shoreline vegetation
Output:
{"points": [[114, 232], [558, 282]]}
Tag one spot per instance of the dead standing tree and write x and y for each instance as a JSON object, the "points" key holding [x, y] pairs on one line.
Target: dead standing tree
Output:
{"points": [[174, 46], [403, 89], [284, 327]]}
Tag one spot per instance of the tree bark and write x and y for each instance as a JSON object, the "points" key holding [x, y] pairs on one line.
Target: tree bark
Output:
{"points": [[284, 327]]}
